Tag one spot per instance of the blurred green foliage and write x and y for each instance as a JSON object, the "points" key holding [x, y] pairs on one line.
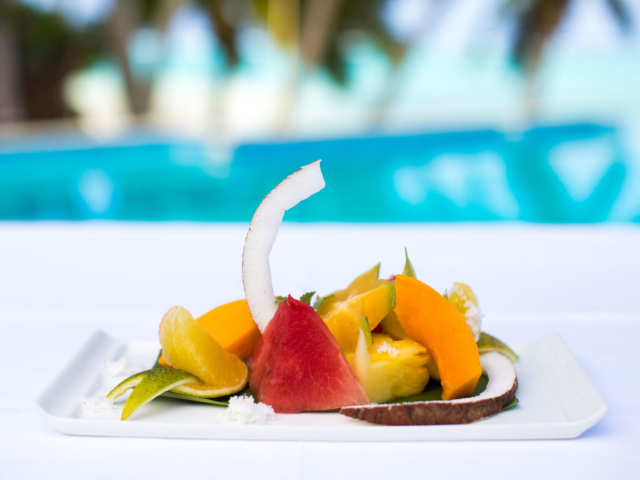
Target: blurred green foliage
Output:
{"points": [[47, 49]]}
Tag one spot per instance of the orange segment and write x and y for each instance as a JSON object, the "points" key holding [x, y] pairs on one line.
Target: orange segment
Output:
{"points": [[432, 321], [187, 346], [233, 327]]}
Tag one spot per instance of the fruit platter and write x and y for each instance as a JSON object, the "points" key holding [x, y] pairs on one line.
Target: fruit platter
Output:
{"points": [[377, 359]]}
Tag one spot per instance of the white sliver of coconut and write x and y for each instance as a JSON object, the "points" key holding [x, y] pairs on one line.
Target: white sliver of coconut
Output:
{"points": [[263, 230], [243, 409]]}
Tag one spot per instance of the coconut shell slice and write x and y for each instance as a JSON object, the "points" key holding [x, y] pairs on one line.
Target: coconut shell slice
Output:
{"points": [[500, 391]]}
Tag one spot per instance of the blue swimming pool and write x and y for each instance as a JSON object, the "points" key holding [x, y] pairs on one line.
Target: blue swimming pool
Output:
{"points": [[569, 174]]}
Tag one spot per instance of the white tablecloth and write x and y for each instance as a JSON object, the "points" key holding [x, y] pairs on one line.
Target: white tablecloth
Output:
{"points": [[60, 282]]}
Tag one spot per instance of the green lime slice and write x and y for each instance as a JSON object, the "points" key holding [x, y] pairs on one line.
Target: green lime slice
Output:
{"points": [[148, 385], [155, 383], [125, 385]]}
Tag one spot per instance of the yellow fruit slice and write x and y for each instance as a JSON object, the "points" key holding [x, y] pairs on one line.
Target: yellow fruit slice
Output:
{"points": [[187, 346], [367, 297], [462, 297], [361, 284], [390, 369]]}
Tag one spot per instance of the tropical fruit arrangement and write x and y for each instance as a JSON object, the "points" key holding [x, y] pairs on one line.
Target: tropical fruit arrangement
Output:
{"points": [[393, 352]]}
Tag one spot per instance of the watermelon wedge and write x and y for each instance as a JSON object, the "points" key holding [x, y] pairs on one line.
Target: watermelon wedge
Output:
{"points": [[297, 365]]}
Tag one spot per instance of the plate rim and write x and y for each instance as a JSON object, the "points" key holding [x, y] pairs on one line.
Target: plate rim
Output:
{"points": [[101, 344]]}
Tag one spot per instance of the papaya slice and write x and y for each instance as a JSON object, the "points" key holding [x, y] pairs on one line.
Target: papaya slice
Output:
{"points": [[429, 319]]}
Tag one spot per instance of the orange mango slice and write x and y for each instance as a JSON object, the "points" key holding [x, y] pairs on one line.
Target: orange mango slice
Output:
{"points": [[429, 319], [232, 326]]}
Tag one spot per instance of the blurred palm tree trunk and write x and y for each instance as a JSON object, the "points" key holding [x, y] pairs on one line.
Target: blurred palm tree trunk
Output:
{"points": [[10, 108], [394, 84], [318, 23], [319, 19], [225, 29], [283, 22], [536, 25], [123, 24]]}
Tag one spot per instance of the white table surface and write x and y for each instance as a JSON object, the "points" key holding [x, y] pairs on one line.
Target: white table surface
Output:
{"points": [[59, 282]]}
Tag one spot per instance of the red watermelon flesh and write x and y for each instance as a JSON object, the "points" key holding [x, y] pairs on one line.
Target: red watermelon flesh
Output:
{"points": [[297, 365]]}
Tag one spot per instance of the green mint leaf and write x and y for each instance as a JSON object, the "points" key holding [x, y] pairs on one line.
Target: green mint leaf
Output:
{"points": [[306, 298], [320, 301], [408, 268], [279, 300]]}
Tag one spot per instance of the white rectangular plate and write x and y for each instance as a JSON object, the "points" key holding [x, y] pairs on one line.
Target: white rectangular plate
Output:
{"points": [[557, 400]]}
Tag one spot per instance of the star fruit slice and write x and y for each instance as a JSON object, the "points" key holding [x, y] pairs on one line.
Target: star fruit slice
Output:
{"points": [[343, 310], [263, 230]]}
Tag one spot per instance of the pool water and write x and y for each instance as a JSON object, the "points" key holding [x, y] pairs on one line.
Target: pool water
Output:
{"points": [[570, 174]]}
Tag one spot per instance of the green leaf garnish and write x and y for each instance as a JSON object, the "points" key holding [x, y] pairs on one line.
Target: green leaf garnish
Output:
{"points": [[318, 303], [488, 343], [279, 300], [220, 401], [306, 298], [408, 268], [180, 396], [512, 403]]}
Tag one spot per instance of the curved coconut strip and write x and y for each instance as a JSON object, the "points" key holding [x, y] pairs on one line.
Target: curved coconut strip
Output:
{"points": [[262, 234], [500, 390]]}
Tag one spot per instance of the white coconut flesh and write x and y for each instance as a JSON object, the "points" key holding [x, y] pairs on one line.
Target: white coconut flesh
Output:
{"points": [[500, 390], [501, 373], [263, 230]]}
